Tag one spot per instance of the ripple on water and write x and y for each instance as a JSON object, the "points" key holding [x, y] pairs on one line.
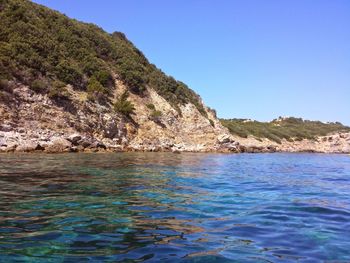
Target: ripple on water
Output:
{"points": [[164, 207]]}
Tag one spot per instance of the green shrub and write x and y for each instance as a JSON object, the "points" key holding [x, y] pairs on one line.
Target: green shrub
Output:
{"points": [[5, 97], [91, 64], [156, 114], [95, 87], [212, 123], [96, 92], [58, 91], [134, 81], [104, 77], [38, 86], [91, 97], [123, 105], [150, 106], [69, 74], [5, 86]]}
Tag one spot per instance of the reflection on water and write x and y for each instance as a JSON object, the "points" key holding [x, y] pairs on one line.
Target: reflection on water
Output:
{"points": [[167, 207]]}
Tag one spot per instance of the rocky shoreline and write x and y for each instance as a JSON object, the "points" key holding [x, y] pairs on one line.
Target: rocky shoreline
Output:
{"points": [[47, 141], [31, 122]]}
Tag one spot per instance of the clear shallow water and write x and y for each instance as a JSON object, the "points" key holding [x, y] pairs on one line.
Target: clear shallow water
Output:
{"points": [[134, 207]]}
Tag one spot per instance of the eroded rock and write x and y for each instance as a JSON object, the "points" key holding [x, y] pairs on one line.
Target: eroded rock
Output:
{"points": [[59, 145], [28, 146], [74, 138]]}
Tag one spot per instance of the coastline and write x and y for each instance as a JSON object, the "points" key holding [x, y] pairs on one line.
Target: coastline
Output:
{"points": [[21, 142], [33, 123]]}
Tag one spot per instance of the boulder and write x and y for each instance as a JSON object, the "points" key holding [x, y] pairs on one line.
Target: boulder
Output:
{"points": [[112, 129], [21, 130], [97, 144], [74, 149], [248, 149], [342, 135], [116, 148], [85, 142], [59, 145], [224, 138], [346, 149], [10, 147], [28, 146], [74, 138], [230, 146], [233, 147], [271, 149], [78, 148], [2, 142], [6, 128]]}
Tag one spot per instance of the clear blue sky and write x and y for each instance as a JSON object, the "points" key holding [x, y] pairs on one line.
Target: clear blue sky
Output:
{"points": [[256, 59]]}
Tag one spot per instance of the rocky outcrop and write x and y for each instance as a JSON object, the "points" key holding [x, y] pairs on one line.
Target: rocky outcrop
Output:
{"points": [[332, 143], [49, 142], [58, 145], [31, 122], [338, 142]]}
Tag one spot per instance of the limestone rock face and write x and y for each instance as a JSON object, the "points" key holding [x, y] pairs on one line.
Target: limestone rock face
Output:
{"points": [[33, 122]]}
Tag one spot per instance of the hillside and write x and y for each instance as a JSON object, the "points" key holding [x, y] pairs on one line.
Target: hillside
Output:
{"points": [[290, 129], [289, 135], [60, 77], [46, 50]]}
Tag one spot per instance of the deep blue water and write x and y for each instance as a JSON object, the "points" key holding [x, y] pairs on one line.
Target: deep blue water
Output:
{"points": [[135, 207]]}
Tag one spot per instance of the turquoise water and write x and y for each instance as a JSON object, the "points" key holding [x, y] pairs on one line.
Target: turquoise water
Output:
{"points": [[135, 207]]}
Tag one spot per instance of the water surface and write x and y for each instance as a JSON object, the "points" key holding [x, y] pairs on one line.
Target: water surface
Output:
{"points": [[135, 207]]}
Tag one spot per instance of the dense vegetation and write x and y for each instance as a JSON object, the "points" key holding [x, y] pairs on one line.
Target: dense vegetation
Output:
{"points": [[40, 47], [282, 128]]}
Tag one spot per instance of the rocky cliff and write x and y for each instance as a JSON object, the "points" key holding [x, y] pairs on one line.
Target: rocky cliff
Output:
{"points": [[337, 142], [289, 134], [34, 122], [69, 86]]}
